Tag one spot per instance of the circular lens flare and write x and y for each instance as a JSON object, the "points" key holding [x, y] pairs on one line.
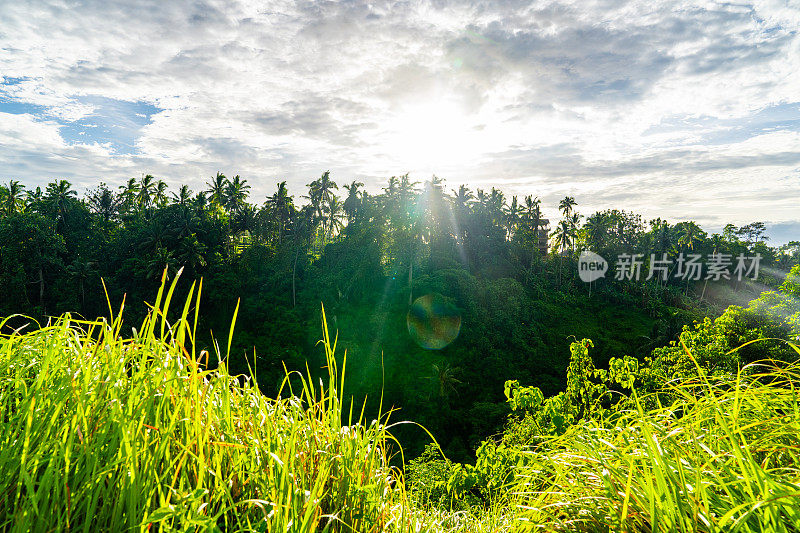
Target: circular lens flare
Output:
{"points": [[433, 322]]}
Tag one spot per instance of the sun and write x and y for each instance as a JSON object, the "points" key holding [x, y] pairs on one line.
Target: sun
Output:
{"points": [[431, 136]]}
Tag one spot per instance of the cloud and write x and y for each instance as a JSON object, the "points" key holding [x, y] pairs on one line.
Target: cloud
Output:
{"points": [[656, 106]]}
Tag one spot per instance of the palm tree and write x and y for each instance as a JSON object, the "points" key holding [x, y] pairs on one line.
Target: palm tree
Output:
{"points": [[128, 193], [533, 216], [407, 189], [462, 198], [59, 194], [496, 205], [191, 253], [566, 205], [512, 216], [574, 221], [147, 189], [334, 213], [320, 192], [391, 198], [161, 259], [81, 271], [326, 186], [352, 203], [187, 222], [563, 238], [445, 379], [596, 231], [281, 206], [482, 199], [201, 202], [12, 199], [245, 218], [183, 197], [160, 194], [690, 233], [34, 198], [216, 189], [236, 193]]}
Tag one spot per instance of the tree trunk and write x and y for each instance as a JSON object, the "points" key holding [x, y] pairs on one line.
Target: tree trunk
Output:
{"points": [[410, 279], [294, 270], [41, 288]]}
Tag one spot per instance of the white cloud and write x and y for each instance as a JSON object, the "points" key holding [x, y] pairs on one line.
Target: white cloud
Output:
{"points": [[637, 105]]}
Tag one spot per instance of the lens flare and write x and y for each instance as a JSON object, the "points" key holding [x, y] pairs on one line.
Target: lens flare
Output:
{"points": [[433, 322]]}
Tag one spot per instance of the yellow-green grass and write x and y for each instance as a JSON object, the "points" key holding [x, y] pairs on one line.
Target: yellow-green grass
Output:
{"points": [[724, 457], [104, 433]]}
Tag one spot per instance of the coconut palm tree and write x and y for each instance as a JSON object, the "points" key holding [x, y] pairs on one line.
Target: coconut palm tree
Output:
{"points": [[281, 206], [334, 213], [444, 377], [160, 197], [352, 203], [482, 200], [34, 198], [690, 233], [574, 220], [59, 194], [81, 272], [183, 197], [216, 189], [191, 253], [496, 205], [146, 192], [566, 206], [512, 212], [128, 194], [533, 217], [236, 193], [161, 259], [562, 240], [596, 231], [320, 192], [461, 200], [12, 197]]}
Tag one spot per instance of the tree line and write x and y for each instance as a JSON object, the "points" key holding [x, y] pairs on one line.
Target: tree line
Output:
{"points": [[508, 267]]}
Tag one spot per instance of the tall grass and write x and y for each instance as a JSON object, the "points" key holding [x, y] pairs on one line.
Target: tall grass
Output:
{"points": [[724, 457], [101, 432]]}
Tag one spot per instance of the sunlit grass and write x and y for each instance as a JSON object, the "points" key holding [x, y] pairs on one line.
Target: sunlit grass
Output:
{"points": [[724, 457], [101, 432]]}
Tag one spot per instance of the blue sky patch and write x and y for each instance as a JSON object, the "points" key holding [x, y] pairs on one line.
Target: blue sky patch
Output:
{"points": [[117, 122], [114, 122], [781, 117]]}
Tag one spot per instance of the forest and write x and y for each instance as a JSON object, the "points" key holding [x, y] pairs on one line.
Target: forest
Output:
{"points": [[509, 271], [538, 353]]}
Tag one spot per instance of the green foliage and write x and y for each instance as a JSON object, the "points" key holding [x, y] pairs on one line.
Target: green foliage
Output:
{"points": [[521, 306], [623, 447], [723, 457], [111, 433]]}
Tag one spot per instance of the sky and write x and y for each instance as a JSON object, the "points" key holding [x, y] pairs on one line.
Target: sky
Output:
{"points": [[678, 110]]}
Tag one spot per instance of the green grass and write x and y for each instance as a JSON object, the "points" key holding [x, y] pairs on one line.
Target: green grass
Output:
{"points": [[100, 432], [104, 433], [724, 457]]}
